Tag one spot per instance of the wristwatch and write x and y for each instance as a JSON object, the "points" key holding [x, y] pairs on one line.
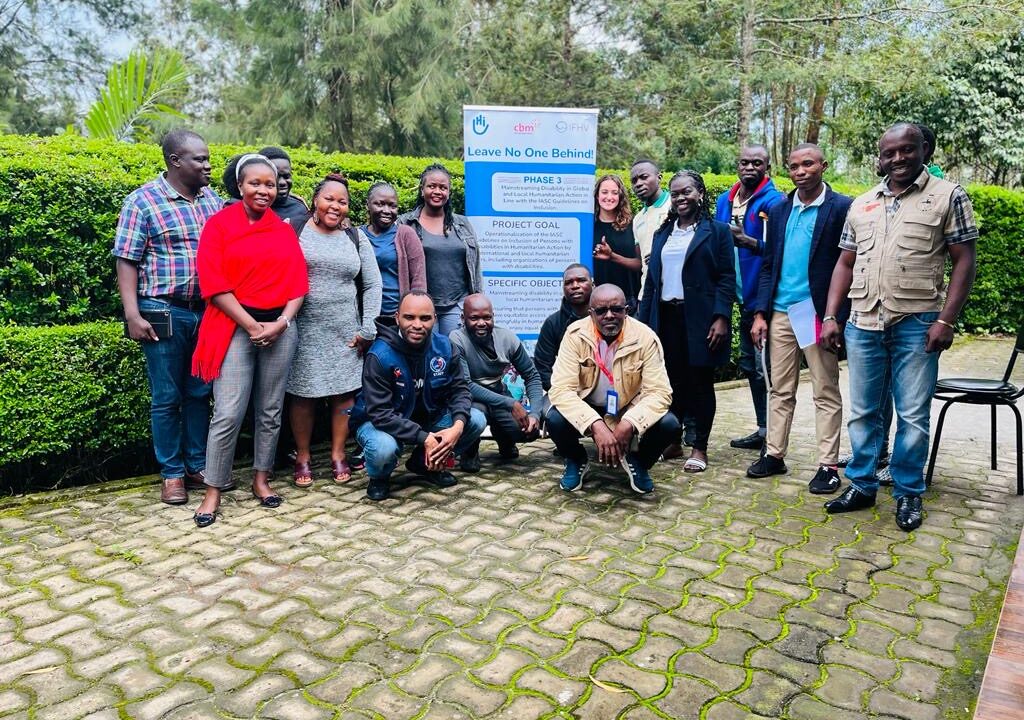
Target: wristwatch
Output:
{"points": [[827, 318]]}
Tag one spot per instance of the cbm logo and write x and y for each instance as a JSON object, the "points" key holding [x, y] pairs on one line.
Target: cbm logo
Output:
{"points": [[526, 128], [480, 126]]}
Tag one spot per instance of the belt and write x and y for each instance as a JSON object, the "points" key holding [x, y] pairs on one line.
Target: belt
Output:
{"points": [[193, 305], [674, 301]]}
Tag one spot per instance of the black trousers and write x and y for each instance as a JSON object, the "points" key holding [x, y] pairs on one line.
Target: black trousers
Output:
{"points": [[652, 443], [693, 386]]}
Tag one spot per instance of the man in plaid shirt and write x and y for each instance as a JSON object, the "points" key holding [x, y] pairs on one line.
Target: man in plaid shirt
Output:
{"points": [[155, 246], [894, 248]]}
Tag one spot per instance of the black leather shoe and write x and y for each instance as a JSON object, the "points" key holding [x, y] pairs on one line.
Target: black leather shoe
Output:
{"points": [[508, 452], [753, 441], [416, 464], [851, 499], [378, 489], [909, 512], [470, 463], [441, 479], [825, 481], [767, 465]]}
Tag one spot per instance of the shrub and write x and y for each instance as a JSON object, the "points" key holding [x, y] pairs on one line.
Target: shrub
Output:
{"points": [[60, 197], [71, 399]]}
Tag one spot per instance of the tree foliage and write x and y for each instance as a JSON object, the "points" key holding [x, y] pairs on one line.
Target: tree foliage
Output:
{"points": [[137, 94]]}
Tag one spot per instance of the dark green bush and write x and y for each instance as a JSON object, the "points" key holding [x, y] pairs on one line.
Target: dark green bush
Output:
{"points": [[71, 399], [60, 197]]}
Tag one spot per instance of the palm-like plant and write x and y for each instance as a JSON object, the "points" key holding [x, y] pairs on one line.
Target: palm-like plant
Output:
{"points": [[137, 92]]}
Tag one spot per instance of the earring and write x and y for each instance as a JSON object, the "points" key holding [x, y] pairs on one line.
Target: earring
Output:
{"points": [[316, 219]]}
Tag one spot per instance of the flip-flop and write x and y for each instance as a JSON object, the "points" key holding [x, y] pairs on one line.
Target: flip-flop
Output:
{"points": [[342, 471], [269, 501], [303, 476], [694, 465]]}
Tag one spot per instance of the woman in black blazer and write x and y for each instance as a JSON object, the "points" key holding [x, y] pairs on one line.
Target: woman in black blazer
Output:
{"points": [[687, 300]]}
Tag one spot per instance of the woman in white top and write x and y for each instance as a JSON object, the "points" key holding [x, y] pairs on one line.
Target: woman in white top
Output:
{"points": [[687, 300]]}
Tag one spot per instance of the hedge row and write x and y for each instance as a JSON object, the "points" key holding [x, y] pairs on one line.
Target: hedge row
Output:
{"points": [[60, 197], [72, 399]]}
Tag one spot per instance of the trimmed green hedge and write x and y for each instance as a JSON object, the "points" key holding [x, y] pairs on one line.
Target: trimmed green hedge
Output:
{"points": [[72, 398], [60, 197]]}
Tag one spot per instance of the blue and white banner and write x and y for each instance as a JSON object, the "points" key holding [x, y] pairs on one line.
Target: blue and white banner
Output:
{"points": [[530, 197]]}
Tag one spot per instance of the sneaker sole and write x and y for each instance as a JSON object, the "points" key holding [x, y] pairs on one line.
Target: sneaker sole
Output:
{"points": [[583, 474], [824, 491], [760, 476]]}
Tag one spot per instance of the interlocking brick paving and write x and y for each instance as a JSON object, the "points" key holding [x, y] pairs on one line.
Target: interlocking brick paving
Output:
{"points": [[719, 597]]}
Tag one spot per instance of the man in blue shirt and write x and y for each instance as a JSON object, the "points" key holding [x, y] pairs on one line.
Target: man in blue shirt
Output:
{"points": [[744, 207], [800, 253]]}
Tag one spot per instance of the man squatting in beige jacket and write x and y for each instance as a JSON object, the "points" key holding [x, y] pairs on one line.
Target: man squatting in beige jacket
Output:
{"points": [[609, 382]]}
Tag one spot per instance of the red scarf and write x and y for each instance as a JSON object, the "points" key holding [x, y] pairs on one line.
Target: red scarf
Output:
{"points": [[261, 263]]}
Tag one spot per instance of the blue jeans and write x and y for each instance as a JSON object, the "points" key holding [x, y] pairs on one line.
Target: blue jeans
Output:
{"points": [[382, 451], [897, 351], [179, 413]]}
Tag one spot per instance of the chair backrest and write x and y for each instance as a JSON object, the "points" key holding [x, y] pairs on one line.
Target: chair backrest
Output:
{"points": [[1018, 348]]}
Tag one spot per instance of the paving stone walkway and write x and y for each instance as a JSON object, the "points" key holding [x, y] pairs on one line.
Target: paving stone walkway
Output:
{"points": [[504, 597]]}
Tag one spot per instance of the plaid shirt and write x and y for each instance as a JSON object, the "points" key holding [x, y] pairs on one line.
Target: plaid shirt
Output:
{"points": [[158, 230]]}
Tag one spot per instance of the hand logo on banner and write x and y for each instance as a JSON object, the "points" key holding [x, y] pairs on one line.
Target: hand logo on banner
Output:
{"points": [[480, 125]]}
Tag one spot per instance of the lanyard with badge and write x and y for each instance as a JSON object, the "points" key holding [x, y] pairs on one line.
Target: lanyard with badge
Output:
{"points": [[611, 403]]}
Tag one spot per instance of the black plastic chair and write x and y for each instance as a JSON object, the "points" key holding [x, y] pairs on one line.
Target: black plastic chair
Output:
{"points": [[981, 391]]}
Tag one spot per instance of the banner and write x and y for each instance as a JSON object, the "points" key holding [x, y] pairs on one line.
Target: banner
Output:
{"points": [[530, 196]]}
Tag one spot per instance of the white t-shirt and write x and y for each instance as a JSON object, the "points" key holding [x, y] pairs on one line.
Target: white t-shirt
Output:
{"points": [[673, 256]]}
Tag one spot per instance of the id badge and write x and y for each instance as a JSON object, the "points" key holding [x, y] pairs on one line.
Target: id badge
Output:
{"points": [[611, 403]]}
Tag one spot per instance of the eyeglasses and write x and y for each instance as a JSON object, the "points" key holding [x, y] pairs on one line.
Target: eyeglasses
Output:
{"points": [[613, 309]]}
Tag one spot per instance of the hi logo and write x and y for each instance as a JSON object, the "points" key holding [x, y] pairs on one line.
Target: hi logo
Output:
{"points": [[480, 126]]}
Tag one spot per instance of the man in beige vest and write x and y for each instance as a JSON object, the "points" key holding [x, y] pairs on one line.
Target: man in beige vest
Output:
{"points": [[895, 244]]}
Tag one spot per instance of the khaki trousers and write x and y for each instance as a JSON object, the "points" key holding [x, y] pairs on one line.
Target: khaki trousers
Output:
{"points": [[785, 373]]}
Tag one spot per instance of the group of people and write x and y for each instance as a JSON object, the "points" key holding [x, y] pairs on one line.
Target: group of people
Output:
{"points": [[262, 299]]}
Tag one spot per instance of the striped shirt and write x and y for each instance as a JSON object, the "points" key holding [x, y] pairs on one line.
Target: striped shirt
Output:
{"points": [[158, 230]]}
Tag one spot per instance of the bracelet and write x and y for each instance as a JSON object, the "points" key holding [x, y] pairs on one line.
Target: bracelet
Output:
{"points": [[287, 321], [940, 321], [829, 317]]}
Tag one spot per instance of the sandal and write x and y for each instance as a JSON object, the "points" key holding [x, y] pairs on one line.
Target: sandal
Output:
{"points": [[303, 474], [342, 471], [694, 465], [204, 519]]}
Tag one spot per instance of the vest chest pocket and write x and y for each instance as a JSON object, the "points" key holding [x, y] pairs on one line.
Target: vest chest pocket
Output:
{"points": [[865, 239], [919, 232]]}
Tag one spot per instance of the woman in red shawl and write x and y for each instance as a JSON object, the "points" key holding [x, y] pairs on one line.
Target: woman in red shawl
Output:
{"points": [[253, 276]]}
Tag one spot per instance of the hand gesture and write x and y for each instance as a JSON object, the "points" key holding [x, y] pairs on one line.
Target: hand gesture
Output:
{"points": [[718, 333], [939, 338], [831, 336], [361, 345], [443, 445], [140, 329], [603, 251], [608, 450], [759, 331], [520, 415]]}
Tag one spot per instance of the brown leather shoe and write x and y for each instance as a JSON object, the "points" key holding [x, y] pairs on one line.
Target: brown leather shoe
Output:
{"points": [[196, 480], [173, 491]]}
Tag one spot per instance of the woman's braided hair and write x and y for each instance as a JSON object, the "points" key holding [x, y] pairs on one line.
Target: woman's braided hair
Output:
{"points": [[704, 210]]}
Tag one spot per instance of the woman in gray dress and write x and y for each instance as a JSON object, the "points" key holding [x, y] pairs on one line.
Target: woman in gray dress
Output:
{"points": [[336, 324]]}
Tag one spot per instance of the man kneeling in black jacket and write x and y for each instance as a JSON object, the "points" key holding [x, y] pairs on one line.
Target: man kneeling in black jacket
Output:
{"points": [[414, 393]]}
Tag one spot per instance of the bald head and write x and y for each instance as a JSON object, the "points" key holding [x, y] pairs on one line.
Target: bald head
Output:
{"points": [[607, 293], [478, 317]]}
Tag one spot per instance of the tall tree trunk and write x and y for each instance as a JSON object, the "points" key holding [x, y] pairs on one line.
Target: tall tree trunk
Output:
{"points": [[825, 50], [746, 70], [787, 120]]}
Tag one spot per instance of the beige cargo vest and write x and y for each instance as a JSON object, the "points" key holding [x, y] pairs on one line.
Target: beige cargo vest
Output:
{"points": [[901, 259]]}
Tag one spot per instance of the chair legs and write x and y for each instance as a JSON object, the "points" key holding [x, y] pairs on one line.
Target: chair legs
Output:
{"points": [[994, 438], [1020, 451], [935, 443]]}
